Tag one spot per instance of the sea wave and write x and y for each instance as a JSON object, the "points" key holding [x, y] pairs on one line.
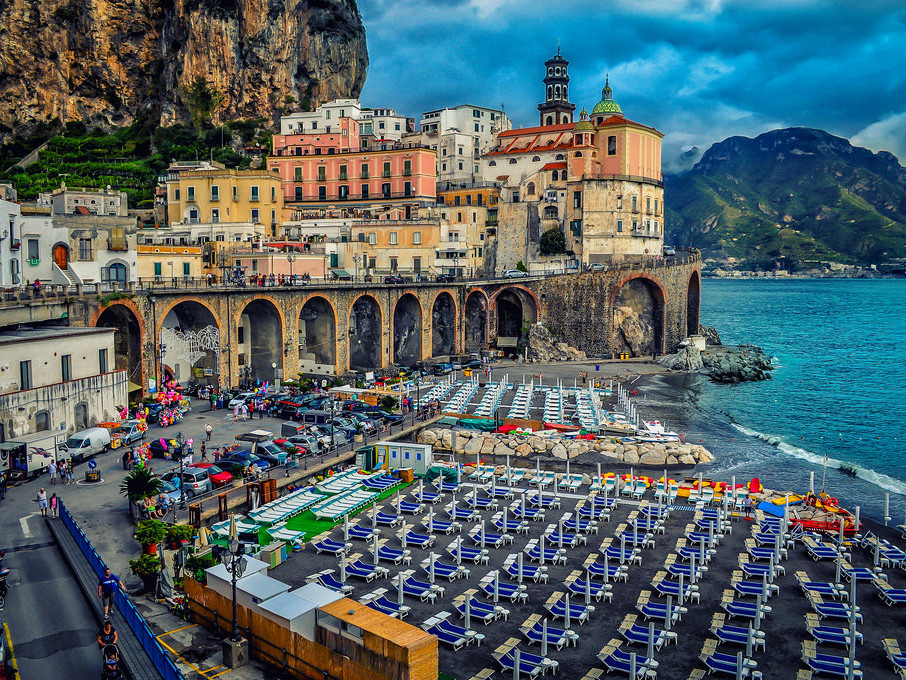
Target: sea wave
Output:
{"points": [[879, 479]]}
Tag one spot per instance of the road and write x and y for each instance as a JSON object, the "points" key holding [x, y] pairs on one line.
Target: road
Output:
{"points": [[52, 628]]}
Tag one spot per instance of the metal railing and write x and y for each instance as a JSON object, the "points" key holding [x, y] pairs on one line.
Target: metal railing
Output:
{"points": [[136, 622]]}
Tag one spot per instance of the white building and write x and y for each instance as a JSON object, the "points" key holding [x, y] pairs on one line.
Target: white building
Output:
{"points": [[58, 380], [10, 238], [460, 134], [80, 201], [383, 124], [379, 123], [75, 249]]}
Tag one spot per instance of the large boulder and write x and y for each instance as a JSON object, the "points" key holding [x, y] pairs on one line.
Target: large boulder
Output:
{"points": [[473, 446], [687, 359], [559, 451], [524, 449], [487, 447], [427, 436], [543, 346], [653, 457], [630, 456], [502, 450]]}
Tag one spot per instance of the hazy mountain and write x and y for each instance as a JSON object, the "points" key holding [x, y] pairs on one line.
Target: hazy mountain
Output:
{"points": [[798, 192]]}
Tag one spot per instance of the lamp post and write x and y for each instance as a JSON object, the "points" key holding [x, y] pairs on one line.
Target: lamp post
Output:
{"points": [[182, 463], [291, 258], [234, 647]]}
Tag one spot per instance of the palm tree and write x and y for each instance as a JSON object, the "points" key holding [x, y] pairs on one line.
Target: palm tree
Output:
{"points": [[139, 485]]}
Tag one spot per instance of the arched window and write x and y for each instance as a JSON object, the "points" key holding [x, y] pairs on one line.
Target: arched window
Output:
{"points": [[565, 93], [554, 175], [557, 71], [530, 189], [512, 161], [558, 157], [557, 92], [550, 91], [42, 421], [550, 120], [550, 70], [81, 416], [492, 163], [115, 273], [578, 154], [535, 159]]}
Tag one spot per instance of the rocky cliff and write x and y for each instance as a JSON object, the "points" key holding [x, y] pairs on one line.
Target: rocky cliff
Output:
{"points": [[101, 61]]}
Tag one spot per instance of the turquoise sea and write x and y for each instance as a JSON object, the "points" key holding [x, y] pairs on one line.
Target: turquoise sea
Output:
{"points": [[839, 389]]}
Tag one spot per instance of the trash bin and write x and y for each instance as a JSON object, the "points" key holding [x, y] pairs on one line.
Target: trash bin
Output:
{"points": [[92, 476], [597, 367]]}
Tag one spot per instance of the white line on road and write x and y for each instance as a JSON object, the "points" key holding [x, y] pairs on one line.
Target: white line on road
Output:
{"points": [[23, 522]]}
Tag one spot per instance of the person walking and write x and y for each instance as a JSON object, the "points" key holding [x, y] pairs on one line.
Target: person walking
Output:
{"points": [[127, 458], [42, 502], [52, 471], [204, 453], [747, 506], [53, 506], [208, 431], [107, 586]]}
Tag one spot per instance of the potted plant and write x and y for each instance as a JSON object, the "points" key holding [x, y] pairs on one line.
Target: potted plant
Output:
{"points": [[146, 567], [139, 485], [149, 533], [177, 533]]}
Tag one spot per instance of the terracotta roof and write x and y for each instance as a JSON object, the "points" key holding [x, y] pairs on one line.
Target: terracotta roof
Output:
{"points": [[555, 166], [502, 177], [541, 129]]}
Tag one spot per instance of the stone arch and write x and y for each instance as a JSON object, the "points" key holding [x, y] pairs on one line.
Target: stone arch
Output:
{"points": [[129, 325], [476, 321], [59, 253], [516, 307], [190, 337], [80, 419], [530, 189], [365, 334], [693, 304], [259, 331], [407, 330], [639, 308], [443, 324], [42, 421], [317, 332]]}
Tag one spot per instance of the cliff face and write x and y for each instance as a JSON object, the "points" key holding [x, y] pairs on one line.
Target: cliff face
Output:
{"points": [[103, 60]]}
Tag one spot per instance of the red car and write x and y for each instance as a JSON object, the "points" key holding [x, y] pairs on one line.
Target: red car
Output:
{"points": [[218, 476]]}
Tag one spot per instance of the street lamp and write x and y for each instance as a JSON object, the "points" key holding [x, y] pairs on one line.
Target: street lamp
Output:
{"points": [[291, 258], [182, 462], [234, 561]]}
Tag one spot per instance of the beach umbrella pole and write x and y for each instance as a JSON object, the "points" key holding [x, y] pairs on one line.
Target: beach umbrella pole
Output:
{"points": [[399, 589], [668, 619], [651, 640], [468, 612], [567, 612], [544, 636]]}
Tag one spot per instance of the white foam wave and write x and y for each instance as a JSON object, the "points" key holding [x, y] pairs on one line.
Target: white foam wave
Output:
{"points": [[879, 479]]}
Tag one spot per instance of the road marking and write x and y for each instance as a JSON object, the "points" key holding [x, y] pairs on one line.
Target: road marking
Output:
{"points": [[23, 522], [203, 672], [12, 654]]}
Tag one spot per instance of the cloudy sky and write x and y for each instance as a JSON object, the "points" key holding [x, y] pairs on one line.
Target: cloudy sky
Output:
{"points": [[698, 70]]}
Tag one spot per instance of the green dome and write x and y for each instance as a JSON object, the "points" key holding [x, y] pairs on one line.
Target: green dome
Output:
{"points": [[607, 104], [584, 125]]}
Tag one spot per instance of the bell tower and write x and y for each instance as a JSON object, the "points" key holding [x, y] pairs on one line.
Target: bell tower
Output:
{"points": [[556, 108]]}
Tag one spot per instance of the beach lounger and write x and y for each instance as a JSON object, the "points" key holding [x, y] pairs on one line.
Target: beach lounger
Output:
{"points": [[741, 608], [533, 630], [534, 572], [409, 508], [479, 609], [577, 584], [427, 497], [832, 635], [513, 526], [552, 555], [820, 551], [531, 665], [635, 539], [504, 492], [578, 611], [691, 572], [388, 520], [564, 540], [736, 635], [759, 569], [888, 594], [543, 500], [222, 529], [362, 533], [832, 610], [327, 579], [467, 552], [328, 545], [379, 601], [459, 514], [618, 660], [394, 555], [612, 571], [480, 503], [426, 592], [279, 532], [511, 591], [530, 514], [453, 640], [578, 524], [369, 572], [441, 526], [636, 633], [451, 572], [896, 656], [827, 664], [823, 588], [418, 540], [728, 664], [489, 538], [666, 586], [588, 512], [752, 588]]}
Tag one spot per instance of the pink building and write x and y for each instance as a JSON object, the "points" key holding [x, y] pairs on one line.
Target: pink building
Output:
{"points": [[344, 138]]}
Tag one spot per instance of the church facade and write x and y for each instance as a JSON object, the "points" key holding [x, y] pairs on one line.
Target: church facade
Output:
{"points": [[599, 180]]}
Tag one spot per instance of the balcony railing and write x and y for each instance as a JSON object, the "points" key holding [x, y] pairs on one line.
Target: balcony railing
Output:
{"points": [[357, 197]]}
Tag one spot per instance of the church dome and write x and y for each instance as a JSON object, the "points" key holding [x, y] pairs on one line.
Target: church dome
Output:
{"points": [[607, 104], [584, 125]]}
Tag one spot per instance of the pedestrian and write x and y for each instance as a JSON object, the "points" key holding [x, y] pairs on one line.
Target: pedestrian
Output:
{"points": [[217, 455], [127, 458], [108, 635], [208, 430], [42, 502], [53, 506], [52, 471], [212, 398], [107, 586], [747, 505], [245, 412], [204, 453]]}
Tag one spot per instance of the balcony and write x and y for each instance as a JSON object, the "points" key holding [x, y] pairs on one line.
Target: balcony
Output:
{"points": [[359, 197], [15, 244]]}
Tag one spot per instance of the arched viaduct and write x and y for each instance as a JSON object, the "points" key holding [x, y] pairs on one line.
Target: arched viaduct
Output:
{"points": [[332, 329]]}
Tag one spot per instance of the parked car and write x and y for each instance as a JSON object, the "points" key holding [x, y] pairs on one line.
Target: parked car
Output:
{"points": [[242, 398], [307, 441], [128, 432], [365, 423], [669, 251], [161, 450], [396, 278], [443, 368], [171, 490], [218, 477], [596, 267], [353, 405], [514, 274], [446, 278], [87, 444], [195, 480], [237, 462]]}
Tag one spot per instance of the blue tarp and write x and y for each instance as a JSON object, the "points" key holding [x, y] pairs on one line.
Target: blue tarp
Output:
{"points": [[771, 508]]}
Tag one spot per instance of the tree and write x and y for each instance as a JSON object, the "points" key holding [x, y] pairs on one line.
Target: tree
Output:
{"points": [[553, 242], [202, 99], [139, 485]]}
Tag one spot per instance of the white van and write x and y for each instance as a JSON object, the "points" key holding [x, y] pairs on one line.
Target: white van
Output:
{"points": [[87, 443]]}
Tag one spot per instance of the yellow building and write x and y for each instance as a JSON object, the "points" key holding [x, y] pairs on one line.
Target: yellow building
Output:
{"points": [[390, 246], [168, 262], [466, 214], [212, 194]]}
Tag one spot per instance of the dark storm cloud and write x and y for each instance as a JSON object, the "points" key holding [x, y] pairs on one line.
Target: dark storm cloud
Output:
{"points": [[698, 70]]}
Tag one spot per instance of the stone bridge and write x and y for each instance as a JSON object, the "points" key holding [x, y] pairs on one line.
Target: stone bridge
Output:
{"points": [[229, 333]]}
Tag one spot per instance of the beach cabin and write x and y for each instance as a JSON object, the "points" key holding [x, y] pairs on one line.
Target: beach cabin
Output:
{"points": [[296, 610], [394, 455]]}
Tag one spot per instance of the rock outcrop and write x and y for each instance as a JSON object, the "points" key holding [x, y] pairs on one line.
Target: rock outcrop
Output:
{"points": [[687, 359], [103, 61], [543, 346], [472, 442], [737, 364], [712, 337]]}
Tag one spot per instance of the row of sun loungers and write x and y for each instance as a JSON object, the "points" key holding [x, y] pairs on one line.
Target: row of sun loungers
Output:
{"points": [[286, 507], [344, 503]]}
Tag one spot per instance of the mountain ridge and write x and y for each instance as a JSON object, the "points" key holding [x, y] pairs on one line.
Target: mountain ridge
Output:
{"points": [[793, 193]]}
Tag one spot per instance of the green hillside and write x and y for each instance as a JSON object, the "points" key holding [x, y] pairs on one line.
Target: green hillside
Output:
{"points": [[796, 193], [128, 159]]}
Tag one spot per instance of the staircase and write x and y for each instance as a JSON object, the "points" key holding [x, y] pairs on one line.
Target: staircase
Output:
{"points": [[65, 277]]}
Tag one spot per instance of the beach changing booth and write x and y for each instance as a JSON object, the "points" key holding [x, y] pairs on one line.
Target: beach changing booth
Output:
{"points": [[392, 455], [296, 609], [252, 589]]}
